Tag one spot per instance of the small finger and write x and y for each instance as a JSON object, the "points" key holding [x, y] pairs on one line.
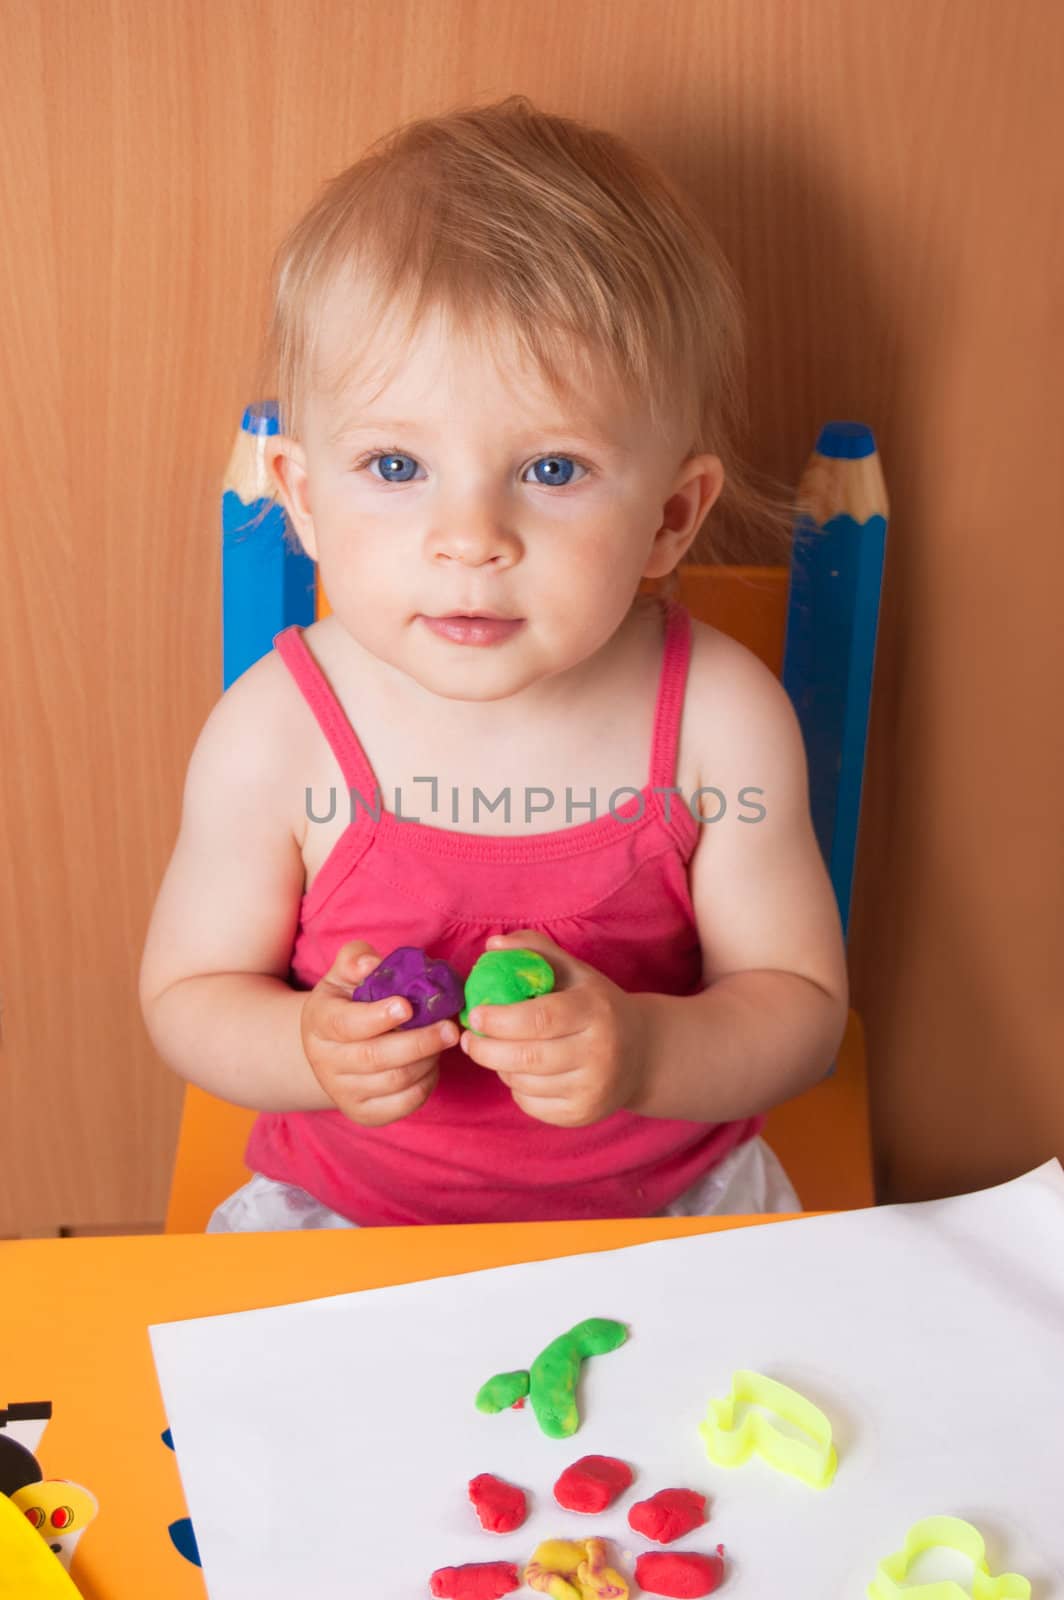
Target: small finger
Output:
{"points": [[391, 1046], [364, 1018], [380, 1110], [356, 957], [386, 1082], [561, 1112], [546, 1057], [553, 1016], [348, 971]]}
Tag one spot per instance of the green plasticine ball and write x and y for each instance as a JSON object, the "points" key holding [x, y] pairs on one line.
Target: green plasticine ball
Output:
{"points": [[502, 977]]}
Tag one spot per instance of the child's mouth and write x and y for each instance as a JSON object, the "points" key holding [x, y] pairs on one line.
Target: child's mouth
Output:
{"points": [[481, 630]]}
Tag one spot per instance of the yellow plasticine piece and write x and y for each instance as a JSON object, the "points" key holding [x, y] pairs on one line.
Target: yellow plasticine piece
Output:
{"points": [[569, 1569], [949, 1533], [595, 1579], [813, 1462], [553, 1563], [551, 1583], [28, 1569], [564, 1554]]}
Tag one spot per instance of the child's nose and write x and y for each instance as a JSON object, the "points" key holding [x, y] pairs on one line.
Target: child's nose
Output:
{"points": [[476, 540]]}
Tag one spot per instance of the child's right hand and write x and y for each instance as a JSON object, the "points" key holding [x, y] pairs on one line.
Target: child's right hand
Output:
{"points": [[373, 1073]]}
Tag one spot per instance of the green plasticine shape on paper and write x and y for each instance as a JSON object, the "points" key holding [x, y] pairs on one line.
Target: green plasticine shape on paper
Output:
{"points": [[502, 1391], [556, 1369], [503, 977], [812, 1460], [551, 1383], [944, 1533]]}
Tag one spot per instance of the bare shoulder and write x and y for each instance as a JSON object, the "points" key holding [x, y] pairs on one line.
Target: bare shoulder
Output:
{"points": [[230, 894], [251, 740], [743, 727], [266, 692], [762, 894]]}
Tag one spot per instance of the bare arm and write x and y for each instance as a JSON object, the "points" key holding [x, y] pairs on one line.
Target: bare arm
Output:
{"points": [[774, 1009], [213, 977]]}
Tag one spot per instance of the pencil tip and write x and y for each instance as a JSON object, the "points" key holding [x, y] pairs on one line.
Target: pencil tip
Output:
{"points": [[846, 440]]}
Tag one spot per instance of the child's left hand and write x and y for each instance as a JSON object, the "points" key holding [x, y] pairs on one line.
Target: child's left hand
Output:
{"points": [[570, 1057]]}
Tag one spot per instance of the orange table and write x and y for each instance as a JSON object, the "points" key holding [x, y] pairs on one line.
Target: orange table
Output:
{"points": [[74, 1315]]}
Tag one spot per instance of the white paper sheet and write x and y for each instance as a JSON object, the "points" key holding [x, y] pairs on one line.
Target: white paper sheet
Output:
{"points": [[325, 1447]]}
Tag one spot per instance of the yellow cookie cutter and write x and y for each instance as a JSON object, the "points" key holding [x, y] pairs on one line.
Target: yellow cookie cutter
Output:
{"points": [[813, 1460], [952, 1534]]}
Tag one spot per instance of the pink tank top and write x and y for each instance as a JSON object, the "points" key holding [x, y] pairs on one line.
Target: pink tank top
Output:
{"points": [[611, 890]]}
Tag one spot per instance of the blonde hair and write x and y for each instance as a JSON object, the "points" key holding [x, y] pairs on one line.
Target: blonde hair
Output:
{"points": [[504, 215]]}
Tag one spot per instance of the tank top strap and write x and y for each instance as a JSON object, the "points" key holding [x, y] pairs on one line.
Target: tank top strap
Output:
{"points": [[358, 774], [673, 682], [313, 685]]}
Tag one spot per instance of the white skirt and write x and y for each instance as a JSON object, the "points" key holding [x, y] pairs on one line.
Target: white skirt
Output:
{"points": [[748, 1182]]}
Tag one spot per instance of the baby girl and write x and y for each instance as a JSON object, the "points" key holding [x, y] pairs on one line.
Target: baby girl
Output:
{"points": [[508, 364]]}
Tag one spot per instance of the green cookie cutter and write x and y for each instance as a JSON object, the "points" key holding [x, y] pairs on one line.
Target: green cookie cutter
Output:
{"points": [[812, 1459], [950, 1533]]}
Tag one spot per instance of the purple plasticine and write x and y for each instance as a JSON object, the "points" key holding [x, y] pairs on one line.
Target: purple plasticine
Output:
{"points": [[433, 987]]}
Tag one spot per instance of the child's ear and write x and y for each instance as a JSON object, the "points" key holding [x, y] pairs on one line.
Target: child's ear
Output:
{"points": [[286, 467], [692, 495]]}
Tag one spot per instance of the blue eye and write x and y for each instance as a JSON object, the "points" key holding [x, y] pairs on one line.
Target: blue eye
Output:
{"points": [[559, 470], [389, 462], [397, 467]]}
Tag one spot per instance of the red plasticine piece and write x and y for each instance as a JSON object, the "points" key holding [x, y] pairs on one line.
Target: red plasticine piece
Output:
{"points": [[478, 1580], [501, 1506], [679, 1573], [592, 1483], [668, 1515]]}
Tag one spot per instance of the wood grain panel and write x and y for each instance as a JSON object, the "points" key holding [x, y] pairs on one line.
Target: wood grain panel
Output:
{"points": [[882, 178]]}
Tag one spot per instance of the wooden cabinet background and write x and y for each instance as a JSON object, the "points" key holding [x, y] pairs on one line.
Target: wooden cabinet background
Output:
{"points": [[883, 179]]}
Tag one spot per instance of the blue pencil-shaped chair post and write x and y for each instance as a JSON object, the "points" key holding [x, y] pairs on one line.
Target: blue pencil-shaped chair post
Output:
{"points": [[267, 581], [830, 642]]}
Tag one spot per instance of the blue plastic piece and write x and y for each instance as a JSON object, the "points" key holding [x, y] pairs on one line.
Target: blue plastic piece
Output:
{"points": [[181, 1532], [184, 1537]]}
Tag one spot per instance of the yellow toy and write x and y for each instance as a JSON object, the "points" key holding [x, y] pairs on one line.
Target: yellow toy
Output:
{"points": [[60, 1510], [944, 1533], [813, 1459], [28, 1569]]}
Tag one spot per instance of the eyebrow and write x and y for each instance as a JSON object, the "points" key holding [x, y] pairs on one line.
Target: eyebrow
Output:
{"points": [[585, 432]]}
